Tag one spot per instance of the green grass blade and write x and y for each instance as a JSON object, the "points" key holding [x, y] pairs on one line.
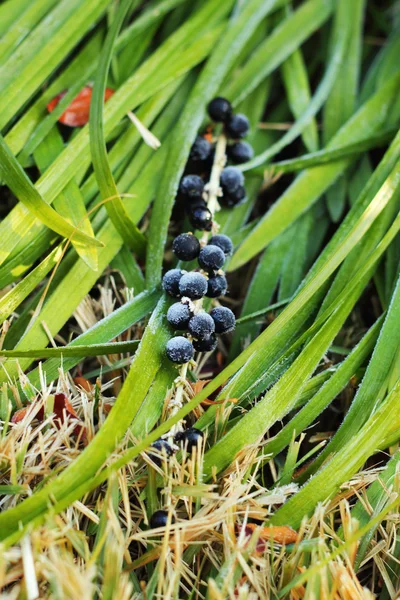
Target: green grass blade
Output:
{"points": [[115, 208], [76, 351], [15, 177]]}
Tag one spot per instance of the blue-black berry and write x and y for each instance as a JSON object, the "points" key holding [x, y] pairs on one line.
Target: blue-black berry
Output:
{"points": [[201, 218], [201, 150], [162, 448], [222, 241], [206, 345], [159, 519], [224, 319], [217, 286], [191, 186], [193, 285], [238, 126], [240, 152], [234, 198], [171, 281], [231, 180], [179, 350], [179, 315], [186, 246], [220, 110], [211, 258], [189, 438], [201, 326]]}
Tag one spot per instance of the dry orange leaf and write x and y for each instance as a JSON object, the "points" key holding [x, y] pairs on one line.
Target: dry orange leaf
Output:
{"points": [[83, 383], [279, 534], [77, 113]]}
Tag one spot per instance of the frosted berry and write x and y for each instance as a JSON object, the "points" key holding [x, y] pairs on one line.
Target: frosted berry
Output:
{"points": [[220, 110], [211, 258], [193, 285], [191, 186], [224, 319], [217, 286], [234, 198], [222, 241], [238, 126], [206, 345], [231, 180], [240, 152], [201, 150], [159, 519], [171, 281], [201, 326], [186, 246], [179, 350], [162, 448], [189, 438], [201, 218], [179, 315]]}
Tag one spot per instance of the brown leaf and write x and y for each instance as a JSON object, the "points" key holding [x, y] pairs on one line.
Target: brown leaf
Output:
{"points": [[83, 383], [77, 113], [279, 534]]}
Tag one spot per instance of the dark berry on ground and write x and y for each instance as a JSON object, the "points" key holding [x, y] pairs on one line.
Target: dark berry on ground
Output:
{"points": [[217, 286], [201, 218], [179, 350], [179, 315], [224, 319], [240, 152], [186, 246], [191, 186], [211, 258], [222, 241], [220, 110], [189, 438], [171, 281], [193, 285], [162, 447], [238, 126], [231, 180], [201, 150], [159, 519], [234, 199], [201, 326], [206, 345]]}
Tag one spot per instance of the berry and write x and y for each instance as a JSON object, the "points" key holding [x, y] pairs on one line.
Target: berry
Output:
{"points": [[193, 285], [171, 281], [217, 286], [162, 447], [201, 326], [201, 150], [206, 345], [189, 438], [231, 180], [238, 126], [192, 186], [240, 152], [186, 246], [179, 350], [201, 218], [211, 258], [220, 110], [235, 198], [158, 519], [179, 315], [223, 242], [224, 319]]}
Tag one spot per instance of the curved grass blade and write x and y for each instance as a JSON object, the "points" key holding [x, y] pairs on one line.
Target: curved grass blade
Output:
{"points": [[115, 208], [16, 179]]}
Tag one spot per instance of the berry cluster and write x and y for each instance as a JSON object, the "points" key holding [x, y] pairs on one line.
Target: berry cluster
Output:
{"points": [[211, 282], [193, 189]]}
